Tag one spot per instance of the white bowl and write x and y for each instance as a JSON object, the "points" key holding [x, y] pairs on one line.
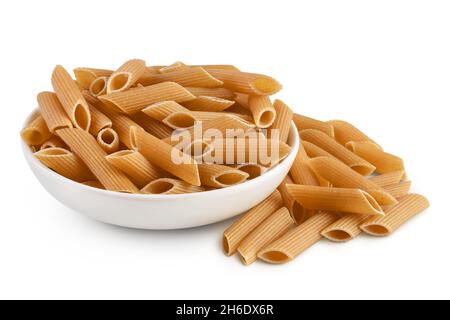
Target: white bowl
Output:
{"points": [[162, 211]]}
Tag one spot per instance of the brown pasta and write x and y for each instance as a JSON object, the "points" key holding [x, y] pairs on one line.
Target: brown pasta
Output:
{"points": [[35, 132], [152, 126], [53, 142], [52, 111], [108, 139], [188, 77], [344, 229], [300, 171], [253, 170], [99, 121], [345, 132], [206, 103], [98, 86], [170, 186], [85, 76], [221, 93], [303, 123], [219, 176], [171, 114], [298, 213], [263, 112], [398, 190], [314, 151], [126, 76], [282, 121], [93, 184], [387, 179], [173, 67]]}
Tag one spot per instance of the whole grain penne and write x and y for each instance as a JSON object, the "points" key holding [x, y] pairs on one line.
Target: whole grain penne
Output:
{"points": [[269, 230], [396, 215], [345, 132], [170, 186], [199, 150], [165, 156], [71, 98], [188, 77], [53, 142], [219, 176], [297, 240], [387, 179], [98, 86], [383, 161], [171, 114], [249, 83], [65, 163], [341, 176], [328, 144], [173, 67], [263, 112], [206, 103], [36, 132], [314, 151], [235, 233], [84, 146], [93, 184], [304, 123], [222, 93], [345, 228], [210, 115], [52, 111], [335, 199], [282, 121], [298, 213], [152, 126], [126, 76], [85, 76], [108, 139], [300, 171], [398, 190], [135, 166], [99, 121], [135, 99], [254, 170], [217, 66]]}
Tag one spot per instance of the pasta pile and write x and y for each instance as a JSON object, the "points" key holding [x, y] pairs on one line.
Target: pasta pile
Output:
{"points": [[122, 130], [341, 184]]}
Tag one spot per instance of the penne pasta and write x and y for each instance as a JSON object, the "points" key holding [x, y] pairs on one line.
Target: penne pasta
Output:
{"points": [[217, 66], [328, 144], [304, 123], [298, 213], [314, 151], [53, 142], [126, 76], [396, 215], [108, 139], [71, 98], [283, 120], [269, 230], [65, 163], [163, 155], [335, 199], [84, 146], [344, 229], [85, 76], [170, 186], [387, 179], [187, 77], [263, 112], [35, 132], [173, 67], [152, 126], [208, 116], [219, 176], [300, 171], [171, 114], [253, 170], [205, 103], [199, 150], [398, 190], [99, 121], [242, 100], [221, 93], [234, 234], [98, 86], [383, 161], [135, 166], [345, 132], [52, 111], [341, 176], [297, 240], [249, 83], [93, 184], [135, 99]]}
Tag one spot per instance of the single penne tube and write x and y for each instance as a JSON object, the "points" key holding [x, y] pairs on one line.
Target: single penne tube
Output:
{"points": [[165, 156], [173, 67], [328, 144], [53, 142], [263, 112], [219, 176], [98, 86], [209, 115], [345, 132], [249, 83], [345, 228], [52, 111], [126, 76], [135, 166], [108, 139], [93, 184], [282, 121], [84, 146], [242, 100], [71, 98], [298, 213], [187, 77], [269, 230], [171, 114], [234, 234], [341, 176], [221, 93], [85, 76], [65, 163], [217, 66], [387, 179], [396, 215], [152, 126], [314, 151], [170, 186], [254, 170], [398, 190], [206, 103], [300, 171], [36, 132], [199, 150], [99, 121], [335, 199], [297, 240], [383, 161], [135, 99], [304, 123]]}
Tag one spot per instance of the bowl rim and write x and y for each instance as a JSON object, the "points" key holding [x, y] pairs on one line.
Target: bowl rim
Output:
{"points": [[272, 171]]}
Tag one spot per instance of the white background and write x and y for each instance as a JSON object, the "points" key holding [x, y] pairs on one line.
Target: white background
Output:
{"points": [[382, 65]]}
